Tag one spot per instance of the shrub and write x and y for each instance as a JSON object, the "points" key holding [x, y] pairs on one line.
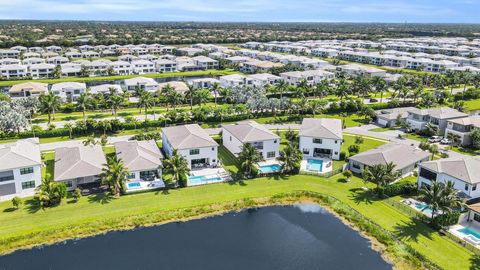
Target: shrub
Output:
{"points": [[353, 149], [77, 194], [17, 202], [446, 220], [147, 136], [399, 188]]}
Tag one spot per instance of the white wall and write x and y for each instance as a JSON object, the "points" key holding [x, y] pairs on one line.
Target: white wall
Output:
{"points": [[210, 153], [18, 179], [235, 146], [458, 184], [307, 143]]}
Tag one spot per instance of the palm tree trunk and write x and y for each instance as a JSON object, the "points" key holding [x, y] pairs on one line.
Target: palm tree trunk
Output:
{"points": [[381, 97], [84, 117]]}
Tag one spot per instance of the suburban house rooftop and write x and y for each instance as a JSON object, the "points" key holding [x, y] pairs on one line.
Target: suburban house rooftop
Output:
{"points": [[467, 121], [391, 114], [78, 161], [440, 113], [402, 155], [188, 136], [22, 153], [250, 131], [329, 128], [465, 169], [32, 87], [139, 155]]}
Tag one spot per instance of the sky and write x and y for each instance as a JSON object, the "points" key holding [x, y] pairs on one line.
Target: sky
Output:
{"points": [[423, 11]]}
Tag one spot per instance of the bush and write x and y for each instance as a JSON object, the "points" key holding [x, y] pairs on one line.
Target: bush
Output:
{"points": [[17, 202], [147, 136], [77, 194], [446, 220], [353, 149], [399, 188]]}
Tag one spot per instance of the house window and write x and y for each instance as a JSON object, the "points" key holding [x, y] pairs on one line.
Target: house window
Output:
{"points": [[476, 217], [274, 141], [316, 140], [466, 186], [474, 187], [194, 152], [230, 138], [271, 154], [335, 142], [131, 176], [213, 148], [28, 184], [68, 184], [356, 165], [306, 151], [28, 170], [428, 174]]}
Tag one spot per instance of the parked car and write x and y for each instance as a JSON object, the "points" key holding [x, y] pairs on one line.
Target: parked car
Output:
{"points": [[434, 139], [446, 141]]}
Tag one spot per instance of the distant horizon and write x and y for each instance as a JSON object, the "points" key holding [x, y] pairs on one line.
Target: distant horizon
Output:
{"points": [[261, 11]]}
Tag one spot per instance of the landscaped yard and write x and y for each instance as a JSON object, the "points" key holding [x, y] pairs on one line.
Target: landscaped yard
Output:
{"points": [[92, 211]]}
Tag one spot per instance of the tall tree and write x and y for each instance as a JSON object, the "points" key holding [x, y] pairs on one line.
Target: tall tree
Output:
{"points": [[177, 165], [84, 101], [440, 197], [114, 174], [291, 157], [249, 158], [49, 103]]}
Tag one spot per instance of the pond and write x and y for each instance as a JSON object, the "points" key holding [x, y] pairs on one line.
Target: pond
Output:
{"points": [[278, 237]]}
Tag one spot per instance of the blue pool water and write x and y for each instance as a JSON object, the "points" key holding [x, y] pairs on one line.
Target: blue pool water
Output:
{"points": [[422, 207], [314, 165], [133, 185], [270, 168], [203, 179], [470, 231]]}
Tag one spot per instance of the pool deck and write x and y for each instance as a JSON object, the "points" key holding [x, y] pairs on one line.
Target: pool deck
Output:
{"points": [[327, 165], [220, 172], [464, 223], [146, 185], [412, 202], [268, 162]]}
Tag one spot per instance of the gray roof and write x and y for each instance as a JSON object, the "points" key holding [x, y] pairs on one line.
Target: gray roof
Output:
{"points": [[78, 161], [250, 131], [402, 155], [465, 169], [139, 155], [19, 154], [391, 114], [329, 128], [440, 113], [187, 137]]}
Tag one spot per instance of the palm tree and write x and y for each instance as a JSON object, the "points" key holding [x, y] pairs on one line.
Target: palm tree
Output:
{"points": [[50, 193], [69, 126], [454, 138], [381, 174], [114, 174], [291, 157], [90, 140], [281, 88], [84, 102], [380, 86], [430, 129], [342, 89], [216, 90], [433, 149], [190, 94], [114, 101], [145, 100], [321, 88], [316, 106], [177, 165], [440, 197], [249, 157], [49, 103], [174, 98]]}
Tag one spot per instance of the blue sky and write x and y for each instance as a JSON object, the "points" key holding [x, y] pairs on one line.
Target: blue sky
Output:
{"points": [[443, 11]]}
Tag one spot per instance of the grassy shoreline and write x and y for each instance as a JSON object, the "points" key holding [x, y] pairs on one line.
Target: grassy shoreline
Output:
{"points": [[381, 241]]}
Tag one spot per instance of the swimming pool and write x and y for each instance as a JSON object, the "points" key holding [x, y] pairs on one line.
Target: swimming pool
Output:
{"points": [[470, 231], [314, 165], [422, 207], [203, 179], [133, 185], [272, 168]]}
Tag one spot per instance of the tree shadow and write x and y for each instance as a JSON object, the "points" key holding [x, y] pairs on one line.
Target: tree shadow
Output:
{"points": [[9, 210], [32, 206], [359, 195], [343, 180], [475, 262], [278, 177], [412, 229], [102, 198]]}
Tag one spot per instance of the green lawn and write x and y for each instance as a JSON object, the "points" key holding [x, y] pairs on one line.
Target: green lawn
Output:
{"points": [[465, 150], [472, 105], [122, 77], [415, 137], [93, 209]]}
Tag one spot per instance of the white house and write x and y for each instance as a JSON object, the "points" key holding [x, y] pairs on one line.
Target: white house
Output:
{"points": [[28, 89], [193, 143], [438, 117], [142, 159], [321, 137], [235, 80], [388, 117], [405, 158], [20, 168], [121, 67], [78, 165], [462, 127], [204, 83], [205, 62], [13, 71], [147, 84], [463, 172], [105, 89], [43, 70], [143, 67], [310, 76], [165, 65], [234, 136], [264, 79], [68, 90]]}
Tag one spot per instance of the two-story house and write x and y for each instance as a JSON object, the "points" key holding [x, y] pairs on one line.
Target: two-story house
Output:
{"points": [[205, 62], [438, 117], [193, 143], [142, 83], [462, 127], [142, 159], [20, 168], [235, 136], [68, 90], [463, 172], [321, 137]]}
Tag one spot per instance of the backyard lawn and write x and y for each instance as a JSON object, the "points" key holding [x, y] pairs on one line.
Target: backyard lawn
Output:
{"points": [[87, 214]]}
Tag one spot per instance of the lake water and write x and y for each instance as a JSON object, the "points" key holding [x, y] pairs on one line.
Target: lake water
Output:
{"points": [[278, 237]]}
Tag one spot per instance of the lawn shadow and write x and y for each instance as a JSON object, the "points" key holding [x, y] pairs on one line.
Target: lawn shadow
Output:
{"points": [[278, 177], [360, 195], [475, 262], [412, 229], [9, 210], [32, 206], [343, 180], [102, 198]]}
